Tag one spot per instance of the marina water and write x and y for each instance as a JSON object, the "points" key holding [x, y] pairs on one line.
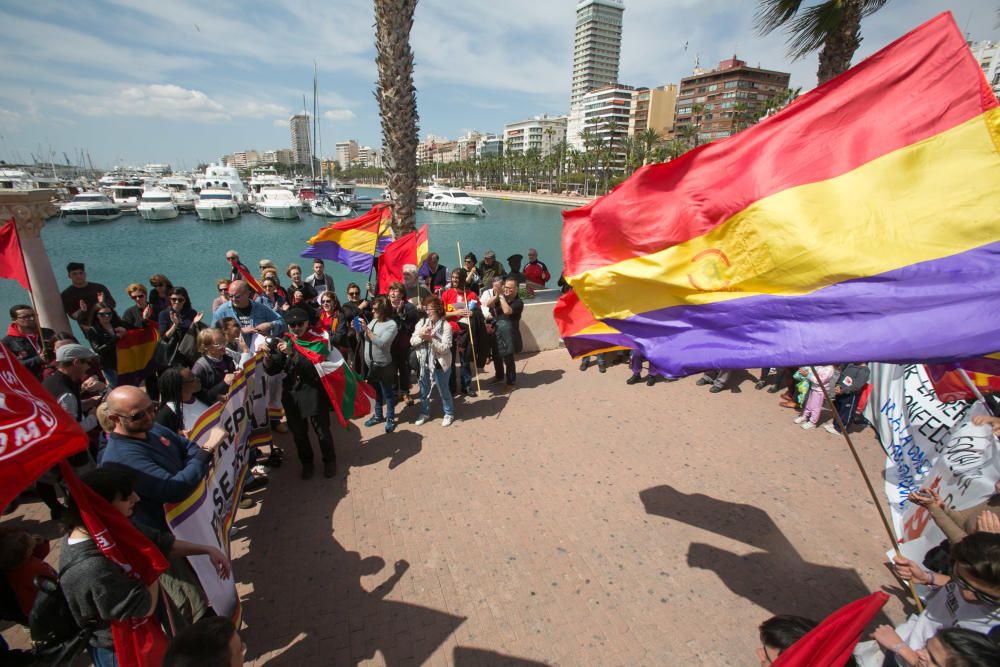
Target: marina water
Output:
{"points": [[192, 253]]}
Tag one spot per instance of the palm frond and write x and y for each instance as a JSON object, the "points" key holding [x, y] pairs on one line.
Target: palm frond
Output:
{"points": [[809, 30], [773, 14]]}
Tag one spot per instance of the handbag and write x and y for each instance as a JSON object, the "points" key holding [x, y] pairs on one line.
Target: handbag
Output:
{"points": [[504, 335]]}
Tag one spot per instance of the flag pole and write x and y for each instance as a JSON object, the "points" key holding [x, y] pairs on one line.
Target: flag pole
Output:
{"points": [[31, 295], [472, 339], [868, 482]]}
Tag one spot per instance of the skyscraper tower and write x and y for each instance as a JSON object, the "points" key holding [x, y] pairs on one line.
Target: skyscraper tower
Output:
{"points": [[299, 125], [596, 54]]}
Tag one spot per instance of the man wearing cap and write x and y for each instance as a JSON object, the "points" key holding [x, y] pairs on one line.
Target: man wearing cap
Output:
{"points": [[535, 272], [81, 295], [66, 384], [489, 268], [22, 339], [234, 262], [303, 396]]}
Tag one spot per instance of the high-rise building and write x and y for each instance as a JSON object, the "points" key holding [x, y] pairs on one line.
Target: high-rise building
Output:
{"points": [[653, 109], [712, 105], [596, 55], [987, 54], [346, 153], [489, 145], [605, 113], [541, 133], [299, 126]]}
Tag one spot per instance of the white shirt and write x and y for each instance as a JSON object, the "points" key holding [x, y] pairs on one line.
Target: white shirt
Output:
{"points": [[946, 608], [484, 303]]}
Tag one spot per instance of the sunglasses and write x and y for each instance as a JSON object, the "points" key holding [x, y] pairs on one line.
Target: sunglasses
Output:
{"points": [[137, 296], [985, 598], [177, 298], [136, 416], [354, 294], [104, 313], [224, 290]]}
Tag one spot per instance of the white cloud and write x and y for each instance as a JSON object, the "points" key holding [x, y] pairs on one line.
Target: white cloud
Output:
{"points": [[152, 101], [339, 115], [280, 122], [255, 109]]}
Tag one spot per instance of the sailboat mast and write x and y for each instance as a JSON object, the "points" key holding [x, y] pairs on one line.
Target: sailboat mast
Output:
{"points": [[312, 166]]}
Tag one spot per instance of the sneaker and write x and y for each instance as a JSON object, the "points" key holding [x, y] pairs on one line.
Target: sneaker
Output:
{"points": [[808, 425], [584, 364], [260, 470], [651, 380], [799, 419], [603, 368], [634, 379], [246, 503], [760, 384], [715, 389], [471, 393], [831, 428], [774, 389], [390, 425], [373, 420], [447, 421], [421, 420], [256, 483], [703, 381]]}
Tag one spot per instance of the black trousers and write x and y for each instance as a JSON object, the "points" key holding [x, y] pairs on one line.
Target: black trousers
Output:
{"points": [[401, 358], [846, 406], [299, 426], [503, 367]]}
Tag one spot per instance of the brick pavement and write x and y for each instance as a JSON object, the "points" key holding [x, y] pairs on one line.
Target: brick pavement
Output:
{"points": [[574, 521]]}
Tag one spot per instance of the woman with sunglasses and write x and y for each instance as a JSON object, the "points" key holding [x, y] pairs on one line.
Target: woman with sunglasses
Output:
{"points": [[378, 337], [103, 328], [271, 298], [178, 325], [222, 287], [136, 315], [329, 312], [968, 597]]}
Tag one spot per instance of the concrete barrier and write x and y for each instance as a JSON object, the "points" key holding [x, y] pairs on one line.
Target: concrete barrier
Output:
{"points": [[538, 329]]}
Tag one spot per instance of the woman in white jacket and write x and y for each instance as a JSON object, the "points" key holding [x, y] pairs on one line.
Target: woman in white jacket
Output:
{"points": [[432, 342]]}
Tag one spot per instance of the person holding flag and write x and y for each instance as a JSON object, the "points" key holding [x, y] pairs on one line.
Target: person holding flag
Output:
{"points": [[27, 340]]}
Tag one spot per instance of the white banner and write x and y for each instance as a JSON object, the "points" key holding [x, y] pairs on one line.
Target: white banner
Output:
{"points": [[928, 444], [206, 516]]}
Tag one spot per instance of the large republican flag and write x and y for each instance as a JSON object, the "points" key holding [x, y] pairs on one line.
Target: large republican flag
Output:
{"points": [[350, 396], [354, 243], [35, 433], [581, 333], [860, 222]]}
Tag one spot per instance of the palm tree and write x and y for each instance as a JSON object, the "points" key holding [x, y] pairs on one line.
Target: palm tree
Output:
{"points": [[648, 140], [833, 26], [397, 101]]}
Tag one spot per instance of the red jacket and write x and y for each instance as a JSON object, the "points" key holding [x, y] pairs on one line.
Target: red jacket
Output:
{"points": [[536, 272]]}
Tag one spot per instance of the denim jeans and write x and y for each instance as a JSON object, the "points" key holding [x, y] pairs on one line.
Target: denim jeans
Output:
{"points": [[441, 379], [103, 657], [385, 394]]}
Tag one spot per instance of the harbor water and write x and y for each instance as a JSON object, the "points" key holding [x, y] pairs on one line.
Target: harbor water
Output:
{"points": [[192, 253]]}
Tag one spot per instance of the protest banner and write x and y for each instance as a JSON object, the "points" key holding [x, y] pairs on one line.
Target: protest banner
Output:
{"points": [[928, 444], [206, 516]]}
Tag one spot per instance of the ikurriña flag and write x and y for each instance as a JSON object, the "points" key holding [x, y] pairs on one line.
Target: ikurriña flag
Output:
{"points": [[354, 243], [860, 222], [350, 396]]}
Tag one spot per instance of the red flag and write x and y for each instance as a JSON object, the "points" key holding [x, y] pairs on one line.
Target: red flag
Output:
{"points": [[11, 259], [247, 276], [139, 642], [35, 433], [400, 252], [950, 386], [831, 642]]}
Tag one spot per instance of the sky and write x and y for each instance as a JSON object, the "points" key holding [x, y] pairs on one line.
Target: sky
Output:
{"points": [[185, 82]]}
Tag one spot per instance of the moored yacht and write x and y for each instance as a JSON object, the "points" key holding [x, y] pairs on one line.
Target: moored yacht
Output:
{"points": [[181, 191], [126, 195], [330, 206], [90, 207], [216, 205], [226, 178], [278, 203], [157, 204], [263, 177], [448, 200]]}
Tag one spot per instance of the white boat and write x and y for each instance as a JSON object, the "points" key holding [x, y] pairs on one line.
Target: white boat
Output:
{"points": [[157, 204], [126, 195], [263, 177], [90, 207], [217, 205], [328, 206], [226, 178], [278, 203], [448, 200], [181, 190]]}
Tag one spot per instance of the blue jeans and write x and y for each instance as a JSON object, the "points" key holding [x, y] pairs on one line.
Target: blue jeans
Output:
{"points": [[385, 394], [441, 379], [103, 657]]}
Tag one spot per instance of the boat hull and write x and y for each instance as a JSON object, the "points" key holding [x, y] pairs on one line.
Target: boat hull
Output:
{"points": [[218, 213], [458, 209], [87, 217], [283, 212], [159, 213]]}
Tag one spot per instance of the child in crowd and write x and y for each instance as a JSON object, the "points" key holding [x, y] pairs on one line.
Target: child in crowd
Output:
{"points": [[814, 400]]}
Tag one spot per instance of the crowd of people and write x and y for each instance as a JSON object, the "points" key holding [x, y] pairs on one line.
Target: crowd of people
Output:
{"points": [[437, 327]]}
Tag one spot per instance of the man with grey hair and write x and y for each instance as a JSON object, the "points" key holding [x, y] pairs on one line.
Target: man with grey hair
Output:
{"points": [[254, 317], [233, 258], [413, 288]]}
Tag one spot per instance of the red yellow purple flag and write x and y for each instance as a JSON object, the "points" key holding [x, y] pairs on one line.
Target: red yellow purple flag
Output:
{"points": [[860, 222]]}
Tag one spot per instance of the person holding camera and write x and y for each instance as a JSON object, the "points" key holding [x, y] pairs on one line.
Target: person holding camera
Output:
{"points": [[303, 396], [378, 338]]}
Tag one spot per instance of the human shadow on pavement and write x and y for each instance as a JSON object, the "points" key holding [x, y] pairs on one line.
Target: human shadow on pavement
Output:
{"points": [[397, 446], [777, 578], [465, 656], [314, 602]]}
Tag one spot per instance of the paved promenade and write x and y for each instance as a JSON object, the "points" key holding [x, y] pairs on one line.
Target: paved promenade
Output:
{"points": [[573, 521]]}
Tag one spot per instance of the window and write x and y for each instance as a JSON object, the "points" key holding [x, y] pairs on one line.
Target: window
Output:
{"points": [[713, 88], [731, 84]]}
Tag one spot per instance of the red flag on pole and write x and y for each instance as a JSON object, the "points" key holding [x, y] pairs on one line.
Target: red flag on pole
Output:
{"points": [[831, 642], [247, 277], [11, 259], [139, 642], [397, 254], [35, 433]]}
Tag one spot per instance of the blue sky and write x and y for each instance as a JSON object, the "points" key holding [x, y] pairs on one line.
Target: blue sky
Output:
{"points": [[184, 82]]}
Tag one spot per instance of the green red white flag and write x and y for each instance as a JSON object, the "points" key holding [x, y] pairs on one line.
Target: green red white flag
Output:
{"points": [[350, 395]]}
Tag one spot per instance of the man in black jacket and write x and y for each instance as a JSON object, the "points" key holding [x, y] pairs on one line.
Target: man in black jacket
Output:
{"points": [[406, 316], [303, 397], [22, 339]]}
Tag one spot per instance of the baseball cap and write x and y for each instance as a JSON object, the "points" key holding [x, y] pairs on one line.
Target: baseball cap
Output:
{"points": [[74, 351], [490, 253], [296, 316]]}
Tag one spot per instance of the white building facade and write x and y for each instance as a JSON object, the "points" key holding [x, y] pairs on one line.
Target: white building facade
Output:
{"points": [[541, 133]]}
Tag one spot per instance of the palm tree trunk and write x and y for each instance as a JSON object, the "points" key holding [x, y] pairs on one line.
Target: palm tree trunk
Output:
{"points": [[397, 101], [840, 45]]}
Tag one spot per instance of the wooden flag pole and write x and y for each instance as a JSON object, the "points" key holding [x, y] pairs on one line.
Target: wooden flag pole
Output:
{"points": [[871, 489], [472, 339]]}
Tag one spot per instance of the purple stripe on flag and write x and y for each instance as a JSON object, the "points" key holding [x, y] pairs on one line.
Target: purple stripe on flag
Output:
{"points": [[580, 346], [182, 517], [878, 318], [358, 262]]}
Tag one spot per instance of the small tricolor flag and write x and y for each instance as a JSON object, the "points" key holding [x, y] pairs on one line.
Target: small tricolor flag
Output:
{"points": [[860, 222], [135, 353], [350, 396], [354, 243]]}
